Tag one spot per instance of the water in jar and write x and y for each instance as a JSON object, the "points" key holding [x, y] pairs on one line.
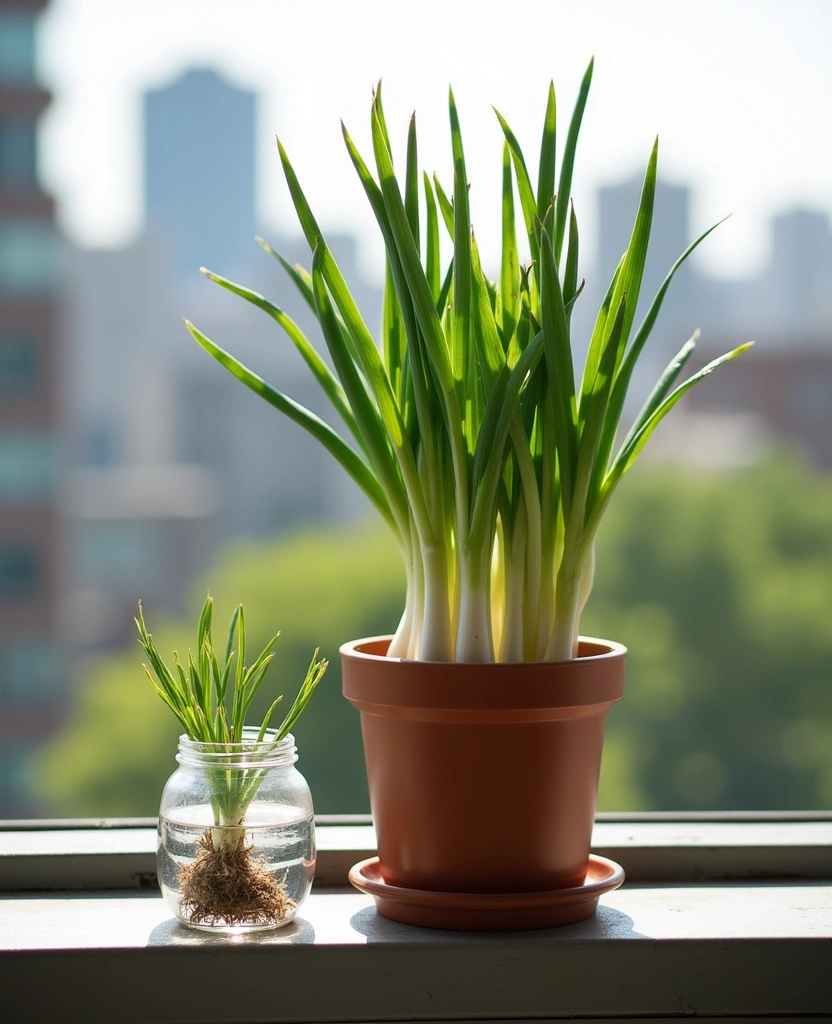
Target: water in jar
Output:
{"points": [[279, 842]]}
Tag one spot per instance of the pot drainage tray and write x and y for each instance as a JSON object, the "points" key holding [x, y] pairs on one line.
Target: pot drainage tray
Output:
{"points": [[503, 911]]}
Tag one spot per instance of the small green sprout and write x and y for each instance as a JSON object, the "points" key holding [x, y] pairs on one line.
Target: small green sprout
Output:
{"points": [[211, 702]]}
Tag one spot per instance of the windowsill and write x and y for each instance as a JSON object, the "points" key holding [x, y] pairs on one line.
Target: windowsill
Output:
{"points": [[675, 944], [650, 847]]}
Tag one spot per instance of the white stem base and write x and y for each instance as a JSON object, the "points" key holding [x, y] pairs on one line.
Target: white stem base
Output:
{"points": [[228, 838], [474, 641]]}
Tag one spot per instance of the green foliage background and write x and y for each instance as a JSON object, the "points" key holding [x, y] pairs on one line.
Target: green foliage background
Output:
{"points": [[719, 583]]}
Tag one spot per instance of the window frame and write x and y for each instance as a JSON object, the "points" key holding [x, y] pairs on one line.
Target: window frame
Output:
{"points": [[653, 848]]}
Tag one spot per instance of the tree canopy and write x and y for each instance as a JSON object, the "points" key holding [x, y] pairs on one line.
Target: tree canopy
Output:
{"points": [[719, 583]]}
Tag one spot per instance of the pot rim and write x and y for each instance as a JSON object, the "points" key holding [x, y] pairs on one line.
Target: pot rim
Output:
{"points": [[488, 691], [607, 650]]}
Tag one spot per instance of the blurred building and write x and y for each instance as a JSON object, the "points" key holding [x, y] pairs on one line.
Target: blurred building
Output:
{"points": [[798, 283], [199, 171], [783, 394], [172, 457], [139, 523], [779, 392], [791, 298], [31, 662], [669, 237]]}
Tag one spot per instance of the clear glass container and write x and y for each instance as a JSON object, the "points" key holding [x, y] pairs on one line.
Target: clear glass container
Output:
{"points": [[236, 841]]}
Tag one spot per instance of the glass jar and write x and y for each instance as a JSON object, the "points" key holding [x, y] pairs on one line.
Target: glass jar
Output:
{"points": [[236, 841]]}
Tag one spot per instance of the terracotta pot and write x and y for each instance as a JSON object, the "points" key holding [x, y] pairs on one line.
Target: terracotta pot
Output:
{"points": [[483, 778]]}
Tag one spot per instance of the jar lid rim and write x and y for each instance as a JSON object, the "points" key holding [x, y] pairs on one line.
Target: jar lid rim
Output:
{"points": [[248, 744]]}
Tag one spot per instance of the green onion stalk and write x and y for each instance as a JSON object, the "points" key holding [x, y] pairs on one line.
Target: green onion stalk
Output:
{"points": [[466, 427], [212, 702]]}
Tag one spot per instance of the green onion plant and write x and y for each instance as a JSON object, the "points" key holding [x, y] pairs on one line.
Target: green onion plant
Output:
{"points": [[466, 427], [211, 702]]}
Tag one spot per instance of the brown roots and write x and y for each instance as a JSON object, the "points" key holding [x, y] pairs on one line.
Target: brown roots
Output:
{"points": [[225, 886]]}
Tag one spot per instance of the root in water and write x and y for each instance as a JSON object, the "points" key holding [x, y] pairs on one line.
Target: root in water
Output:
{"points": [[225, 886]]}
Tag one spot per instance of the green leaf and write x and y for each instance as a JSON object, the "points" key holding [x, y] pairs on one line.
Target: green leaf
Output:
{"points": [[446, 207], [301, 278], [226, 674], [204, 630], [593, 412], [546, 172], [643, 333], [308, 224], [568, 306], [163, 674], [509, 295], [599, 340], [600, 348], [252, 684], [568, 164], [229, 641], [423, 303], [559, 365], [237, 692], [570, 276], [314, 675], [379, 422], [393, 333], [321, 372], [397, 312], [385, 413], [184, 683], [378, 107], [663, 386], [630, 451], [199, 687], [414, 370], [411, 187], [491, 358], [261, 659], [489, 458], [221, 728], [307, 220], [461, 304], [445, 291], [262, 733], [182, 718], [524, 185], [433, 272], [632, 268], [321, 431], [433, 335], [625, 370], [216, 675], [255, 675]]}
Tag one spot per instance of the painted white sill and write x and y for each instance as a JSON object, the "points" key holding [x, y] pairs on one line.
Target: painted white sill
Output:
{"points": [[661, 948]]}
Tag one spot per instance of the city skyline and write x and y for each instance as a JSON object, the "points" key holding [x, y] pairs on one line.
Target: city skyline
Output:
{"points": [[153, 481], [785, 306], [740, 127], [155, 474]]}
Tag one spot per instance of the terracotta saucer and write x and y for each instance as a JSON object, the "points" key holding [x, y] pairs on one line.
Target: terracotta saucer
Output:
{"points": [[497, 912]]}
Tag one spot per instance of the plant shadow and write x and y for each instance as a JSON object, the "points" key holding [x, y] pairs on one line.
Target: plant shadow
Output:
{"points": [[606, 923]]}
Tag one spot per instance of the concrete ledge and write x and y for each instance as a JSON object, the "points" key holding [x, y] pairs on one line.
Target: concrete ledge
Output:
{"points": [[717, 951]]}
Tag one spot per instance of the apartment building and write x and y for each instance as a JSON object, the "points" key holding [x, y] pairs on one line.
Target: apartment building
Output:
{"points": [[30, 656]]}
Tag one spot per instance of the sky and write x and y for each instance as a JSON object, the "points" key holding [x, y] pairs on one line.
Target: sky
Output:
{"points": [[738, 91]]}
